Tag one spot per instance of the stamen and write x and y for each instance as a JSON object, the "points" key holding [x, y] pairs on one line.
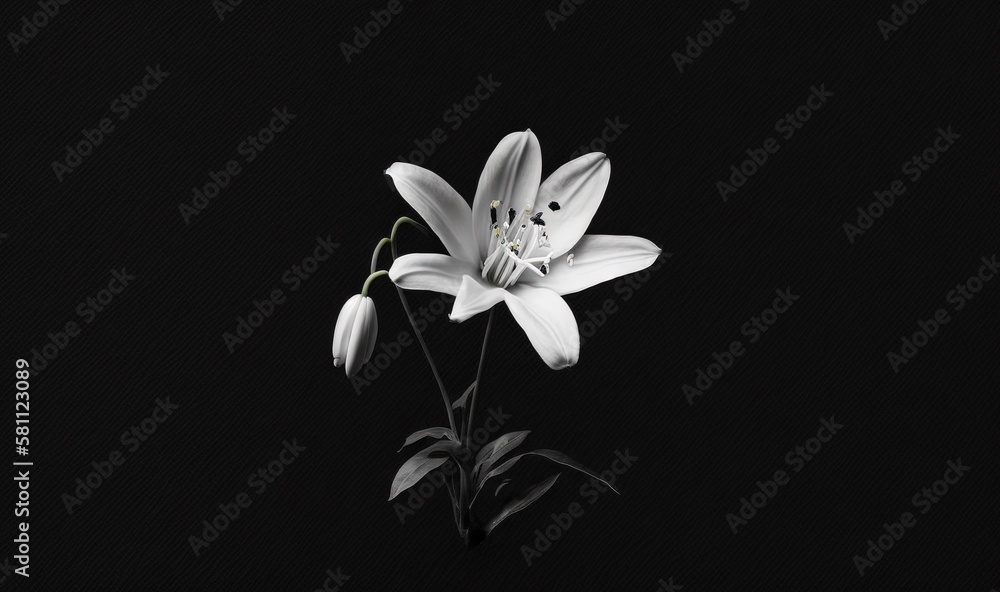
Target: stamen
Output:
{"points": [[517, 239], [569, 259], [503, 273], [511, 245]]}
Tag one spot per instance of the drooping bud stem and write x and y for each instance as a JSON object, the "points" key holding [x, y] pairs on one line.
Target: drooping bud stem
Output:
{"points": [[395, 227], [372, 277], [378, 249]]}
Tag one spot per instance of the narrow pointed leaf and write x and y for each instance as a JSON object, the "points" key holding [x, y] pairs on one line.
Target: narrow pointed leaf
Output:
{"points": [[521, 503], [499, 447], [504, 482], [460, 402], [554, 456], [429, 433], [420, 464]]}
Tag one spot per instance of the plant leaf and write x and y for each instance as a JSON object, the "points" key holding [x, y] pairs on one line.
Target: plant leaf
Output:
{"points": [[420, 464], [521, 503], [460, 402], [553, 455], [504, 482], [493, 451], [431, 433]]}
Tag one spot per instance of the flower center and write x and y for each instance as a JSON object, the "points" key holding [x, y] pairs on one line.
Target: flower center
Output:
{"points": [[513, 241]]}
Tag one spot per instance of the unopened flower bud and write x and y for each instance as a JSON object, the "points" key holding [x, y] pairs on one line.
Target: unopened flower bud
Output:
{"points": [[355, 334]]}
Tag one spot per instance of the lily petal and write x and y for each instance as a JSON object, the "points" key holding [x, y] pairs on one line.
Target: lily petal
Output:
{"points": [[474, 297], [439, 205], [342, 332], [569, 198], [511, 175], [596, 258], [548, 322], [431, 271]]}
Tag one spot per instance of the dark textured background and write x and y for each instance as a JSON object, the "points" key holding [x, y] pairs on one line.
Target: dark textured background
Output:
{"points": [[162, 336]]}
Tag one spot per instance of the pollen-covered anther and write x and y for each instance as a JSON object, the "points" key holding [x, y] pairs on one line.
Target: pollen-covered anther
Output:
{"points": [[569, 259], [493, 211]]}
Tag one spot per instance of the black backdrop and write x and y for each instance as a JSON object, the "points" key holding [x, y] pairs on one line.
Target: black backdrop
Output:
{"points": [[676, 134]]}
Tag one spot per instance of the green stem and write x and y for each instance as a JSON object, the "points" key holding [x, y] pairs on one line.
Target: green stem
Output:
{"points": [[371, 278], [395, 227], [413, 322], [479, 378], [378, 249], [463, 510], [430, 360]]}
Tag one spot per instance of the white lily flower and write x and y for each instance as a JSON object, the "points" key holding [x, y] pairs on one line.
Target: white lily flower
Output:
{"points": [[355, 333], [522, 242]]}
